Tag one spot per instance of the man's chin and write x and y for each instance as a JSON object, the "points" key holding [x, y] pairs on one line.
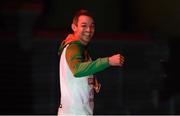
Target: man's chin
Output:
{"points": [[88, 40]]}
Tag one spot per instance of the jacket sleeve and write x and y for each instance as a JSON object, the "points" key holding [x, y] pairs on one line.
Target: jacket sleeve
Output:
{"points": [[79, 67]]}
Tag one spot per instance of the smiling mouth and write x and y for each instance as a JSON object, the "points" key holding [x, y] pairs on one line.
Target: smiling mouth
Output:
{"points": [[86, 34]]}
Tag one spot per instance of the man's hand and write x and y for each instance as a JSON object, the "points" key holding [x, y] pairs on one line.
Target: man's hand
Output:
{"points": [[116, 60]]}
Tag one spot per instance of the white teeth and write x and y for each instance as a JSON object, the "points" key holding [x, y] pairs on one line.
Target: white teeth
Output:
{"points": [[87, 34]]}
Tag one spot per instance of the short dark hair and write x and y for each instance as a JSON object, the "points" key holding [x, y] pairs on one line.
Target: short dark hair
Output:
{"points": [[79, 13]]}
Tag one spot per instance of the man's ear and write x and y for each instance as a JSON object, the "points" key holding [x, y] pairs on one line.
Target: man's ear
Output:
{"points": [[74, 27]]}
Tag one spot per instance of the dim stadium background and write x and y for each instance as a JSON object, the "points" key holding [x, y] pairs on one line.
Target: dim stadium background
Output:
{"points": [[146, 32]]}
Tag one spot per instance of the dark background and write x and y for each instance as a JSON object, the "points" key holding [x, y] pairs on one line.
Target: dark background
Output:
{"points": [[146, 32]]}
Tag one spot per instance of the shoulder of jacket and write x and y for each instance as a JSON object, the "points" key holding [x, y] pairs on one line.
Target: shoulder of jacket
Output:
{"points": [[76, 45]]}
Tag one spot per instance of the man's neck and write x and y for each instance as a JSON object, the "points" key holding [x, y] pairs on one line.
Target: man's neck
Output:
{"points": [[76, 37]]}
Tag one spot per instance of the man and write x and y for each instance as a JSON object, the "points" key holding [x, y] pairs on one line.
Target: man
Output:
{"points": [[77, 69]]}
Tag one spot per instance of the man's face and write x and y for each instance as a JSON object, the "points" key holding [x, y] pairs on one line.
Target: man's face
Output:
{"points": [[84, 29]]}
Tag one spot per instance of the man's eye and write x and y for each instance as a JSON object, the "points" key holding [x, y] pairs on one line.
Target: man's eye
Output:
{"points": [[92, 26], [83, 26]]}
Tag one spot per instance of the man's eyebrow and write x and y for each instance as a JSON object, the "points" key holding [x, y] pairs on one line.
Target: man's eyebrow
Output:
{"points": [[86, 23]]}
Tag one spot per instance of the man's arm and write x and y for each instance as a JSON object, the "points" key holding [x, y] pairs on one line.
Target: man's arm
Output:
{"points": [[79, 67]]}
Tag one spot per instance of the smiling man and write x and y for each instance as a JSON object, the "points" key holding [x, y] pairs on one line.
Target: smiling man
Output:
{"points": [[76, 68]]}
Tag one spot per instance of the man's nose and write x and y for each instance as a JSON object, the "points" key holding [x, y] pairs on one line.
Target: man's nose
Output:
{"points": [[90, 29]]}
